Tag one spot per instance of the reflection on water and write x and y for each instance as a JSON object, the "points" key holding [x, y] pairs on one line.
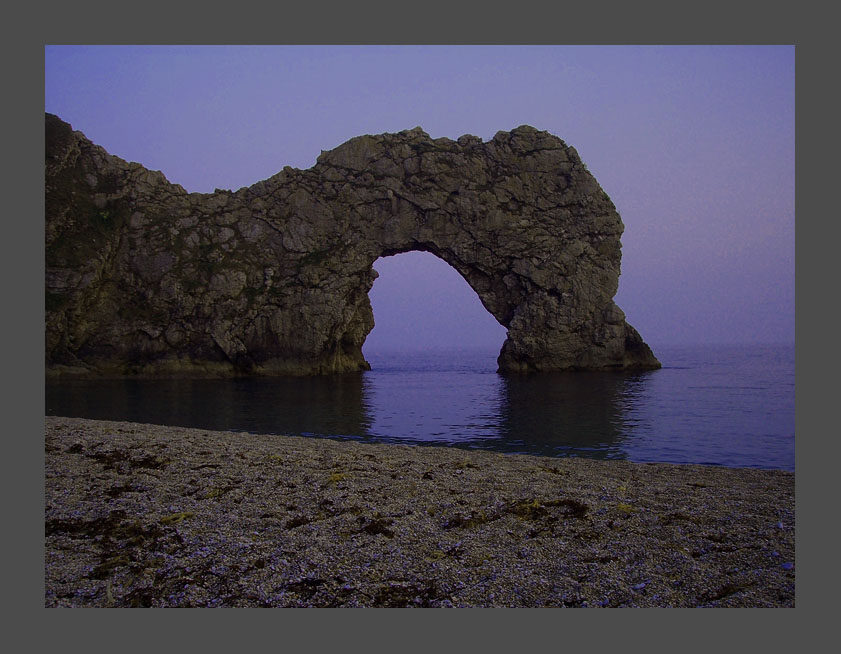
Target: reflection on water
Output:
{"points": [[575, 414], [722, 407], [457, 406], [316, 406]]}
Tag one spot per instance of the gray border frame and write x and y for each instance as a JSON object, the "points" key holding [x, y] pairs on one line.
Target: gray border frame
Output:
{"points": [[381, 22]]}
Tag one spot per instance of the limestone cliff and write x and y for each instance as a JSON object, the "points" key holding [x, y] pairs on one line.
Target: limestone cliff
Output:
{"points": [[145, 278]]}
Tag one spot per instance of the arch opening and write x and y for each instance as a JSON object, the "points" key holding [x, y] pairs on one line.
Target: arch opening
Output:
{"points": [[422, 304]]}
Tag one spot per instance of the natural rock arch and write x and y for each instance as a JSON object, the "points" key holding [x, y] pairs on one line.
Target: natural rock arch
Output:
{"points": [[145, 278]]}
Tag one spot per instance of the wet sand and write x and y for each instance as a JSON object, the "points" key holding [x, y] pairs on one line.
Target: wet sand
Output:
{"points": [[143, 515]]}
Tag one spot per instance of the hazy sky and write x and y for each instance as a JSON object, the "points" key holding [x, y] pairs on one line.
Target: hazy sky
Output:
{"points": [[694, 145]]}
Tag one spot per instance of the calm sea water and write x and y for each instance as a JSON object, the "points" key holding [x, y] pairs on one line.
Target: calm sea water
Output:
{"points": [[730, 406]]}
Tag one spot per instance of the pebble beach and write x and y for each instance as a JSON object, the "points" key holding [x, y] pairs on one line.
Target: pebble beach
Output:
{"points": [[153, 516]]}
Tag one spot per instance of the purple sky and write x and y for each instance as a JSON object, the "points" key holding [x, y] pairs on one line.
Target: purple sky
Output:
{"points": [[694, 145]]}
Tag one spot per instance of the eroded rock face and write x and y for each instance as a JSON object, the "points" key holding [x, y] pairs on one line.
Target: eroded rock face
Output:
{"points": [[145, 278]]}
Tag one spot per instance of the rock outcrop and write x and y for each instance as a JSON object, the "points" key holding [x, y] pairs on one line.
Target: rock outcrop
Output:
{"points": [[145, 278]]}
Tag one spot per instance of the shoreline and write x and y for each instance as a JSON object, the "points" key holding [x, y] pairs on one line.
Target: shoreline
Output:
{"points": [[147, 515]]}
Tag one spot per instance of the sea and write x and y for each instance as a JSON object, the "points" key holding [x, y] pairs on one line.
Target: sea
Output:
{"points": [[709, 404]]}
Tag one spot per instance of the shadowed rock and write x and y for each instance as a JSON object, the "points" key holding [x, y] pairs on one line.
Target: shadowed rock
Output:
{"points": [[145, 278]]}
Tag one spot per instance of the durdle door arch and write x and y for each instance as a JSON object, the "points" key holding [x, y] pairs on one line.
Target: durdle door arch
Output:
{"points": [[143, 278]]}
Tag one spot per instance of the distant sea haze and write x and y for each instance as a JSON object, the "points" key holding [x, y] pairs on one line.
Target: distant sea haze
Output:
{"points": [[716, 405]]}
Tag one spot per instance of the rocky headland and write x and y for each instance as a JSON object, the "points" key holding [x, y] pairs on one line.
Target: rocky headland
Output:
{"points": [[144, 278]]}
